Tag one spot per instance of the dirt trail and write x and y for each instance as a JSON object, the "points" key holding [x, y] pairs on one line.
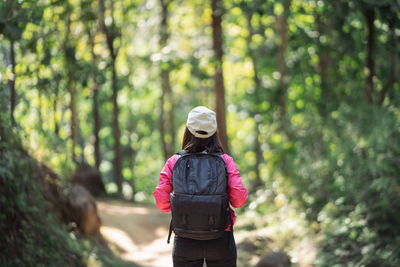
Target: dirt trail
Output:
{"points": [[137, 232]]}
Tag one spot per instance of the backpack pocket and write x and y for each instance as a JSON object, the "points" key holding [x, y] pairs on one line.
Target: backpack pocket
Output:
{"points": [[199, 216]]}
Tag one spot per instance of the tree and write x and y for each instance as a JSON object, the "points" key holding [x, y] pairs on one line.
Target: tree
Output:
{"points": [[283, 78], [166, 123], [111, 33], [217, 12], [70, 64], [256, 112], [12, 81], [390, 16], [92, 29], [13, 20], [323, 61], [370, 63]]}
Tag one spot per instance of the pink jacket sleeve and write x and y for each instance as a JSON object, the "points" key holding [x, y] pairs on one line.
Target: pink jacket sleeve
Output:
{"points": [[164, 188], [237, 191]]}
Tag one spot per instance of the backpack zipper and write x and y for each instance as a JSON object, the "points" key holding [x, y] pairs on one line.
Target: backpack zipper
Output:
{"points": [[187, 172]]}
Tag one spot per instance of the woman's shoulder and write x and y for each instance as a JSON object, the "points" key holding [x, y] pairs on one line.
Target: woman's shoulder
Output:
{"points": [[227, 158], [171, 161], [230, 163]]}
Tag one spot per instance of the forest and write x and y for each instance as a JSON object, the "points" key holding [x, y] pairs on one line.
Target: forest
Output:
{"points": [[307, 97]]}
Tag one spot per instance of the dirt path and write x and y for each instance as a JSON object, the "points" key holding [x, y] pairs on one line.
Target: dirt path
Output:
{"points": [[137, 232]]}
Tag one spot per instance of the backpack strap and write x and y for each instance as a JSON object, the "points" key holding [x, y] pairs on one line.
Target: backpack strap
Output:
{"points": [[180, 153], [170, 232], [184, 152]]}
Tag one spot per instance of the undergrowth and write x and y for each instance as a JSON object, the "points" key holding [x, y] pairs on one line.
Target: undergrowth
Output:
{"points": [[31, 233]]}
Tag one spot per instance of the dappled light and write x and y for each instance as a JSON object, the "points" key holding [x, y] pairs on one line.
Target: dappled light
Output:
{"points": [[138, 234], [94, 103], [122, 209]]}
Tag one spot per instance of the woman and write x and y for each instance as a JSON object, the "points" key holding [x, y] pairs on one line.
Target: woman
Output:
{"points": [[201, 136]]}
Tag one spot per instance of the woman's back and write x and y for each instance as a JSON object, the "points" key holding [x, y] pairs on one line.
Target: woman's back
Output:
{"points": [[195, 182]]}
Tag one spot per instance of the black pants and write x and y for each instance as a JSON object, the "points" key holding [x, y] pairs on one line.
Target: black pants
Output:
{"points": [[219, 252]]}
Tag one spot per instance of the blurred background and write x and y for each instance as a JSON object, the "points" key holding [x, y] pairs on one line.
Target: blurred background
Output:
{"points": [[96, 93]]}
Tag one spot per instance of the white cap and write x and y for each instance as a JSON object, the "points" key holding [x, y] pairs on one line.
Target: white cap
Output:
{"points": [[202, 119]]}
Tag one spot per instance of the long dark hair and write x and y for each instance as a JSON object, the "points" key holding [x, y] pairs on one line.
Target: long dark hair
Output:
{"points": [[193, 144]]}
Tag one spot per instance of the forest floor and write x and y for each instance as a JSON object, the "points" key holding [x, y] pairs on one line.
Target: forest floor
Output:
{"points": [[137, 233]]}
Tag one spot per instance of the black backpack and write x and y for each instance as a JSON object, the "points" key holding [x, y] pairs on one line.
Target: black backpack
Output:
{"points": [[199, 200]]}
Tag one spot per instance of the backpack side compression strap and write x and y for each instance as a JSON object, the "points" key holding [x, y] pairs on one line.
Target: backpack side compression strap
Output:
{"points": [[178, 155], [170, 232]]}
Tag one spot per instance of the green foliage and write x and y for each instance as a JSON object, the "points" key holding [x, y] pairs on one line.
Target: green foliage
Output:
{"points": [[30, 233], [360, 217], [14, 16], [344, 174], [332, 156]]}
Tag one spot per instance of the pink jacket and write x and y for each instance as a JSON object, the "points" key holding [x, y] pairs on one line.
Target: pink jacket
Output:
{"points": [[236, 190]]}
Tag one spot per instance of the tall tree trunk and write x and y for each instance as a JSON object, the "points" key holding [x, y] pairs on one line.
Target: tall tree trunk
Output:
{"points": [[39, 109], [171, 118], [132, 156], [394, 68], [219, 88], [13, 94], [257, 87], [370, 64], [162, 125], [322, 65], [167, 104], [56, 125], [96, 123], [116, 131], [70, 60], [283, 79], [95, 103], [74, 116], [110, 36], [131, 182], [282, 29]]}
